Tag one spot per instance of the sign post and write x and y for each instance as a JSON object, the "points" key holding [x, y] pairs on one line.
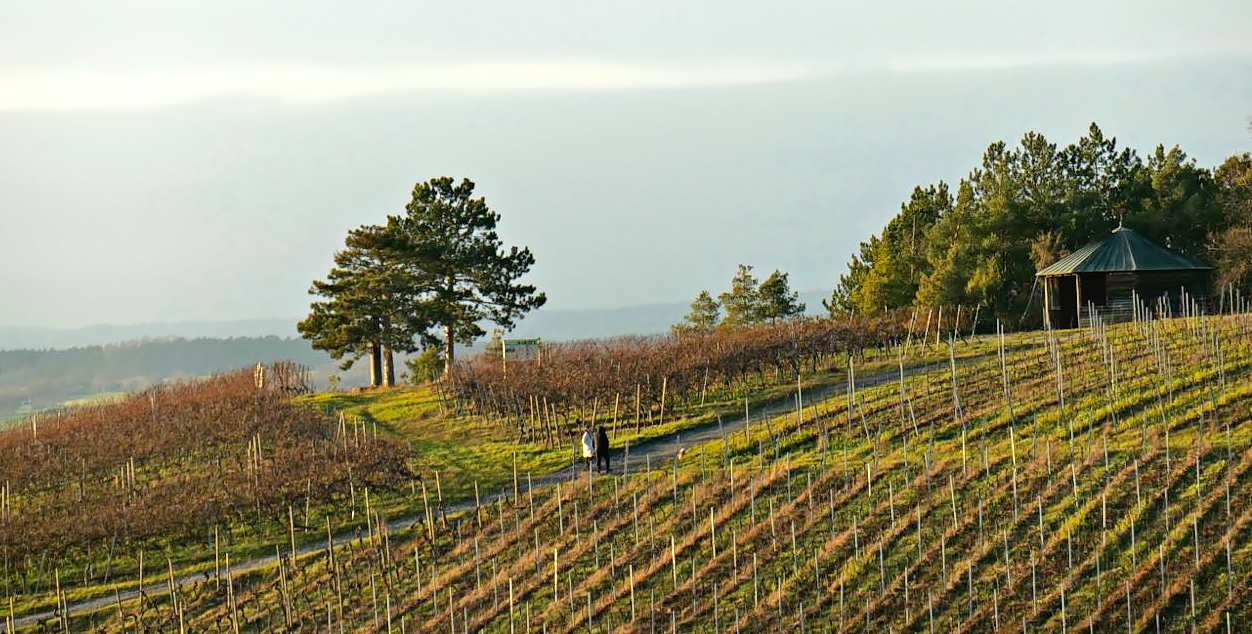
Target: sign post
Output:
{"points": [[519, 350]]}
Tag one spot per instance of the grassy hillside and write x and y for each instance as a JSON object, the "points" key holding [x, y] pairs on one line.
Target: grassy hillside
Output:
{"points": [[1087, 480], [174, 471], [196, 472], [209, 468], [452, 451]]}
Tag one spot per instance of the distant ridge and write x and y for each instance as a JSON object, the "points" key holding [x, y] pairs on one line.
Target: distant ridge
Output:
{"points": [[43, 367], [550, 324], [23, 338], [568, 325], [38, 379]]}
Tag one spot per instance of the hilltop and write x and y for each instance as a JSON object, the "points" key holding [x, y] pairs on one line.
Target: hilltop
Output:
{"points": [[1056, 480]]}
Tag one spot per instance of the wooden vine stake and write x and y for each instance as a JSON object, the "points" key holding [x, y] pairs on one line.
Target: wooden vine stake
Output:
{"points": [[664, 386]]}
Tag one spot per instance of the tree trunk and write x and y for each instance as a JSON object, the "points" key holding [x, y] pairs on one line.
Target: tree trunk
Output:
{"points": [[376, 365], [448, 348], [389, 368]]}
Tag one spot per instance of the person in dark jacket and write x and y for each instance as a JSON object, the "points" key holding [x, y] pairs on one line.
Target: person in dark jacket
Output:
{"points": [[602, 449]]}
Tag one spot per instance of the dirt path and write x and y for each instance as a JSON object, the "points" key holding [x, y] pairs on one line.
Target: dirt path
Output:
{"points": [[657, 451]]}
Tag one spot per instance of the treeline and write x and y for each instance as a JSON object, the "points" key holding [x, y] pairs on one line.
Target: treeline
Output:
{"points": [[749, 301], [1027, 206], [43, 378]]}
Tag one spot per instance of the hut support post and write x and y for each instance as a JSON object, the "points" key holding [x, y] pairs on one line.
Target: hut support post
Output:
{"points": [[1047, 304]]}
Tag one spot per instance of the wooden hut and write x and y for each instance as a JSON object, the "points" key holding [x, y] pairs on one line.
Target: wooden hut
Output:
{"points": [[1116, 277]]}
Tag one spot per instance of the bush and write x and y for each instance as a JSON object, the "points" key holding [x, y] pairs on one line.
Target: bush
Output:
{"points": [[426, 366]]}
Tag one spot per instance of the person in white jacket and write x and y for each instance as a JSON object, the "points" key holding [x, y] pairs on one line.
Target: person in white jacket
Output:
{"points": [[589, 447]]}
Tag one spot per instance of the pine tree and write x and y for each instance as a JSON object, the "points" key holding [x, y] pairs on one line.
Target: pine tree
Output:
{"points": [[450, 244], [703, 318], [777, 300], [742, 302], [424, 279], [366, 307]]}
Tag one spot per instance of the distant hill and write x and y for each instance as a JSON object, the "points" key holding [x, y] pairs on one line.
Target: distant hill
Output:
{"points": [[43, 368], [566, 325], [551, 324], [16, 338], [42, 379]]}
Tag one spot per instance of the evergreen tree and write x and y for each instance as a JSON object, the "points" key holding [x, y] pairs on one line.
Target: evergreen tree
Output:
{"points": [[703, 318], [951, 253], [742, 302], [777, 300], [1231, 247], [367, 305], [425, 367], [899, 258], [1101, 184], [843, 300], [449, 242], [1026, 206], [424, 279], [1182, 207], [1046, 249]]}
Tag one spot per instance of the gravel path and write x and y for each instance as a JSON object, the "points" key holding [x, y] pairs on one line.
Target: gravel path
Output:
{"points": [[656, 451]]}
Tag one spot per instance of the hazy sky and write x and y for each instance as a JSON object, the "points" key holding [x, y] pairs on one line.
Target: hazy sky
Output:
{"points": [[165, 161]]}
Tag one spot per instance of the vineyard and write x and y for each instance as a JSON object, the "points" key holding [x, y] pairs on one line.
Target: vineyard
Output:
{"points": [[1093, 480], [635, 381], [177, 470]]}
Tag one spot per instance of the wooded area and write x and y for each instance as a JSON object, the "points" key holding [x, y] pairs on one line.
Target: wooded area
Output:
{"points": [[1025, 207]]}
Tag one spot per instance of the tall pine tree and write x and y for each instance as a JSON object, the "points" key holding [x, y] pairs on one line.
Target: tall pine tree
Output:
{"points": [[742, 302], [465, 274], [367, 310], [426, 278]]}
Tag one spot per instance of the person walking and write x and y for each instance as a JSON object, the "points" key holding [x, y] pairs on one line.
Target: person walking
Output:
{"points": [[589, 447], [602, 450]]}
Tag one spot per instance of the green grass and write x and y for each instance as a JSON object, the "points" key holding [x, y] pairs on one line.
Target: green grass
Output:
{"points": [[458, 450], [89, 400]]}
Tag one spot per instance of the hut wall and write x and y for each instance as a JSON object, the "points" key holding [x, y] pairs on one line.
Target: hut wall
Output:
{"points": [[1119, 304], [1160, 291], [1153, 286]]}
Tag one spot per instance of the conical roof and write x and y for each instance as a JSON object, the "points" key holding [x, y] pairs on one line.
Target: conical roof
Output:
{"points": [[1125, 250]]}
